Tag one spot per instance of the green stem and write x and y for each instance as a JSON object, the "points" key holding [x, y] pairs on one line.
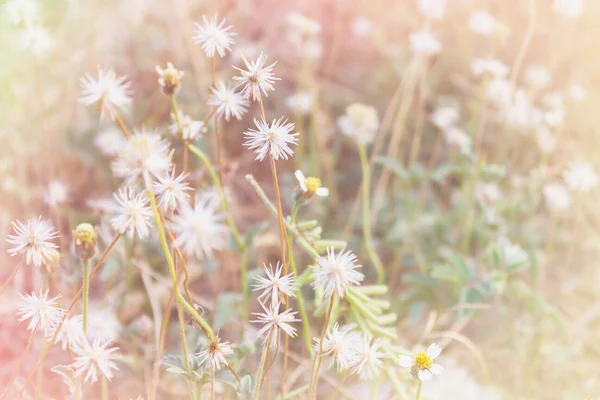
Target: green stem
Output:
{"points": [[261, 367], [314, 375], [299, 298], [86, 291], [366, 216], [296, 392], [418, 396]]}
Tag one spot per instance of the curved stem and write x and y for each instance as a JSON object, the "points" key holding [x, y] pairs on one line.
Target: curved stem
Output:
{"points": [[161, 343], [19, 364], [86, 292], [366, 215], [261, 367], [314, 374]]}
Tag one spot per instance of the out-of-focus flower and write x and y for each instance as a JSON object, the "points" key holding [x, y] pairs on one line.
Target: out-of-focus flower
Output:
{"points": [[108, 92], [103, 324], [360, 122], [580, 177], [488, 193], [498, 89], [311, 185], [577, 92], [214, 355], [256, 78], [459, 138], [70, 334], [34, 239], [131, 213], [214, 37], [274, 140], [275, 322], [362, 26], [483, 66], [421, 365], [169, 79], [483, 23], [93, 358], [510, 254], [336, 272], [84, 241], [557, 197], [42, 312], [341, 345], [569, 8], [200, 230], [444, 117], [110, 141], [274, 284], [300, 102], [538, 76], [146, 152], [370, 357], [23, 12], [190, 129], [37, 40], [171, 190], [520, 112], [229, 103], [57, 193], [304, 25], [545, 140], [425, 43], [434, 9]]}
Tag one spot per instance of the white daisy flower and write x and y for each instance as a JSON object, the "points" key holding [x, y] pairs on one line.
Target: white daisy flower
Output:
{"points": [[43, 313], [191, 129], [369, 358], [274, 322], [214, 37], [424, 43], [214, 355], [580, 177], [483, 23], [274, 284], [23, 12], [311, 185], [34, 239], [434, 9], [200, 230], [108, 92], [360, 122], [93, 358], [421, 365], [557, 197], [56, 194], [171, 191], [488, 66], [132, 213], [569, 8], [445, 117], [274, 140], [70, 334], [335, 273], [229, 103], [341, 345], [257, 78], [110, 141], [144, 152], [300, 102]]}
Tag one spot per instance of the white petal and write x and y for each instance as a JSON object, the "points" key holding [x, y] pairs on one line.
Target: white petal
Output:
{"points": [[323, 192], [300, 176], [425, 375], [434, 350], [436, 369], [406, 361]]}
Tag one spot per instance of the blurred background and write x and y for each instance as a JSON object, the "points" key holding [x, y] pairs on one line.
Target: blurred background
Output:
{"points": [[488, 245]]}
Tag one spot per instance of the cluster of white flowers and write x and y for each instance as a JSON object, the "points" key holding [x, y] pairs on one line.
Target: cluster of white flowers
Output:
{"points": [[303, 33], [34, 37], [446, 119]]}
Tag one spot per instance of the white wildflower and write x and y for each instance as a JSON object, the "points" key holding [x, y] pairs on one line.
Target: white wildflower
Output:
{"points": [[458, 138], [23, 12], [108, 92], [275, 284], [132, 213], [300, 102], [422, 366], [42, 312], [103, 324], [335, 273], [274, 140], [70, 334], [488, 66], [424, 43], [360, 122], [145, 152], [214, 355], [171, 191], [34, 239], [190, 129], [256, 78], [93, 358], [445, 117], [229, 103], [57, 193], [169, 79], [214, 36], [545, 140], [370, 357], [341, 345], [311, 185], [37, 40], [580, 177], [483, 23], [557, 197], [275, 322], [110, 141]]}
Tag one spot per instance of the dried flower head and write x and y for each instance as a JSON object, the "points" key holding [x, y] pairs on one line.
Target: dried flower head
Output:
{"points": [[42, 312], [421, 365], [369, 358], [131, 213], [274, 322], [108, 92], [229, 103], [214, 355], [336, 272], [171, 191], [57, 193], [256, 78], [84, 241], [274, 284], [70, 334], [146, 152], [214, 37], [340, 344], [274, 140], [34, 238], [93, 358], [169, 79]]}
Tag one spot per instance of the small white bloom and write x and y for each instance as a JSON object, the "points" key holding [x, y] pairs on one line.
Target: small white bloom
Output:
{"points": [[21, 11], [229, 103], [214, 355], [300, 102], [360, 122], [341, 345], [257, 78], [110, 141], [538, 76], [580, 177], [200, 230], [459, 138], [304, 25], [482, 22], [103, 324], [433, 9], [132, 213], [445, 117], [488, 193], [171, 190], [91, 358], [569, 8], [37, 40], [56, 194], [108, 92], [511, 255], [274, 140], [191, 129], [362, 26], [214, 37], [71, 332], [43, 313], [311, 185], [274, 284], [495, 68], [424, 43], [557, 197], [274, 322], [545, 140], [144, 152], [369, 356], [421, 365], [577, 92], [335, 273], [498, 89], [34, 239]]}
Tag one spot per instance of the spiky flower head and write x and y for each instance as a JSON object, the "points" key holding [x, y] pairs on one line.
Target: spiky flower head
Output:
{"points": [[93, 358], [169, 79], [84, 240], [42, 312], [274, 322], [108, 92], [274, 284], [274, 140], [214, 355], [34, 239], [336, 272], [229, 103], [256, 78], [214, 36]]}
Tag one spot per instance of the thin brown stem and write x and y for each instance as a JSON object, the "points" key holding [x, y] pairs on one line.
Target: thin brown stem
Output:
{"points": [[10, 278], [19, 363], [122, 125], [314, 374]]}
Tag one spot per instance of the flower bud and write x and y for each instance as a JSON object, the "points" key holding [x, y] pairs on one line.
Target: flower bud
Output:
{"points": [[84, 241], [170, 79]]}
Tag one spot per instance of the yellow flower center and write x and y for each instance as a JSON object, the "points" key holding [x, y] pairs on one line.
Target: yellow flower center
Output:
{"points": [[84, 234], [312, 184], [423, 361]]}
